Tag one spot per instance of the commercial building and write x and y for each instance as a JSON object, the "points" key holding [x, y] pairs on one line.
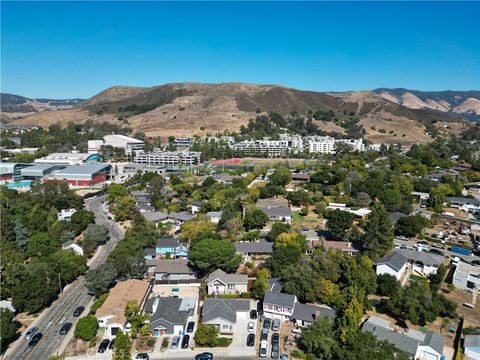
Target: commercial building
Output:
{"points": [[72, 158], [327, 144], [272, 148], [184, 142], [82, 175], [37, 172], [10, 172], [171, 160], [121, 141]]}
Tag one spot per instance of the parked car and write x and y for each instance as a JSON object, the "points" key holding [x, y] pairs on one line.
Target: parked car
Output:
{"points": [[78, 311], [276, 325], [251, 340], [35, 339], [103, 346], [142, 356], [296, 331], [275, 339], [266, 323], [30, 333], [274, 354], [253, 314], [65, 328], [185, 341], [263, 349], [112, 343], [264, 335], [251, 326], [190, 326], [436, 251], [204, 356], [476, 262], [175, 341]]}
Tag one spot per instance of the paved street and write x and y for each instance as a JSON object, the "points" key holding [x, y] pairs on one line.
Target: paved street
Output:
{"points": [[51, 319]]}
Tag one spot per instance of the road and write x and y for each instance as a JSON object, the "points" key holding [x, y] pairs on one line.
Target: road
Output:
{"points": [[75, 295]]}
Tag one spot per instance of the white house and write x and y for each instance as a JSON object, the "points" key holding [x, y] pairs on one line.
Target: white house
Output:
{"points": [[393, 264], [66, 214], [75, 247], [278, 305], [220, 282]]}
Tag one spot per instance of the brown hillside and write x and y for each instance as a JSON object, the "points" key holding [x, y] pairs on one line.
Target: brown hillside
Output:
{"points": [[196, 108]]}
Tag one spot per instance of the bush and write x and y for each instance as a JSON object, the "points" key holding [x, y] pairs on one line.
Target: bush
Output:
{"points": [[228, 296], [206, 335], [297, 354], [98, 303], [224, 342], [245, 295], [86, 328]]}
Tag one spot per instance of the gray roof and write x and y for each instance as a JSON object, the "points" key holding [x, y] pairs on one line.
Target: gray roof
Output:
{"points": [[38, 169], [261, 246], [137, 193], [408, 342], [307, 312], [223, 308], [172, 266], [168, 242], [86, 169], [227, 278], [461, 200], [149, 251], [214, 214], [182, 216], [471, 341], [168, 309], [423, 257], [277, 211], [155, 216], [145, 207], [396, 215], [278, 298], [395, 260]]}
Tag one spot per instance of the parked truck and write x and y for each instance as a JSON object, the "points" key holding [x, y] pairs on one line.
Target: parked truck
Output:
{"points": [[461, 250]]}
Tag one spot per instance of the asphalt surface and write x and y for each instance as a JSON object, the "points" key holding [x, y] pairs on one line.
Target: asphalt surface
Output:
{"points": [[75, 295]]}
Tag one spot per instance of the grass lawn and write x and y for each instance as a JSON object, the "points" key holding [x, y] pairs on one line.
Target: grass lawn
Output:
{"points": [[297, 219], [224, 342]]}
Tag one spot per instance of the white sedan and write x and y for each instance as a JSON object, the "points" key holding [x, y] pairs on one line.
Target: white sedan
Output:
{"points": [[251, 327]]}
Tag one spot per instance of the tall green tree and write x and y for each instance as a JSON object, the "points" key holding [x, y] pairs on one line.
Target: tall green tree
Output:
{"points": [[123, 347], [8, 329], [255, 219], [349, 314], [100, 279], [210, 254], [261, 285], [339, 222], [206, 335], [318, 339], [378, 232], [281, 176]]}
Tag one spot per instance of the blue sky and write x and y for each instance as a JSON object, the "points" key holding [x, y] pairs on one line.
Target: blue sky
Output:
{"points": [[76, 49]]}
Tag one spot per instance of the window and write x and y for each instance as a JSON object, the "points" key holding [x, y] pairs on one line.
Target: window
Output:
{"points": [[231, 286], [225, 327]]}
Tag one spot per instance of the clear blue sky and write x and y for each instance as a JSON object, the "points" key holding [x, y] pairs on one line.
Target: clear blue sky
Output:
{"points": [[64, 50]]}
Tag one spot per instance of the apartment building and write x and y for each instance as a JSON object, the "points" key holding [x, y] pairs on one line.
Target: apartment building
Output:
{"points": [[168, 159]]}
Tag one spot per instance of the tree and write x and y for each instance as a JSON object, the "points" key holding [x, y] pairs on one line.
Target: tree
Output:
{"points": [[261, 285], [391, 199], [387, 284], [210, 254], [327, 292], [134, 316], [8, 329], [411, 226], [339, 222], [349, 314], [206, 335], [437, 278], [299, 197], [378, 232], [86, 328], [96, 233], [68, 264], [42, 245], [255, 219], [123, 347], [317, 339], [124, 208], [277, 229], [80, 220], [193, 229], [282, 257], [280, 177], [116, 191], [22, 235], [294, 239], [100, 279]]}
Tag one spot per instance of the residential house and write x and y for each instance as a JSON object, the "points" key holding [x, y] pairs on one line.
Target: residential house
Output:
{"points": [[344, 246], [150, 254], [471, 344], [396, 215], [214, 216], [219, 282], [111, 315], [277, 304], [223, 313], [141, 197], [283, 214], [195, 207], [66, 214], [249, 249], [143, 208], [469, 205], [171, 246], [417, 345], [467, 277], [304, 177], [272, 202], [72, 245], [224, 178], [175, 219], [169, 315], [304, 315], [173, 271]]}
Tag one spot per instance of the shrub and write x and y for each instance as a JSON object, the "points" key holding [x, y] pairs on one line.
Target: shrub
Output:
{"points": [[224, 342], [98, 303], [86, 328], [297, 354], [245, 295], [206, 335]]}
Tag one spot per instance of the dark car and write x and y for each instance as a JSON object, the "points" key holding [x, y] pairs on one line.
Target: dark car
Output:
{"points": [[103, 346], [204, 356], [110, 347], [65, 328], [142, 356], [275, 339], [266, 323], [264, 335], [35, 339], [436, 251], [190, 326], [78, 311], [185, 341], [253, 314], [251, 340], [475, 262], [274, 354]]}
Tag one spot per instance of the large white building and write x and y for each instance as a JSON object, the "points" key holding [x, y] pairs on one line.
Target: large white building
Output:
{"points": [[326, 144], [121, 141], [168, 158], [72, 158]]}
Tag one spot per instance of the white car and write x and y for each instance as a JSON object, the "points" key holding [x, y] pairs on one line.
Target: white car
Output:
{"points": [[251, 327], [263, 349]]}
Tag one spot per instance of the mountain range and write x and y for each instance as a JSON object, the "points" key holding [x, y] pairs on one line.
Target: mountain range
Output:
{"points": [[387, 115]]}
